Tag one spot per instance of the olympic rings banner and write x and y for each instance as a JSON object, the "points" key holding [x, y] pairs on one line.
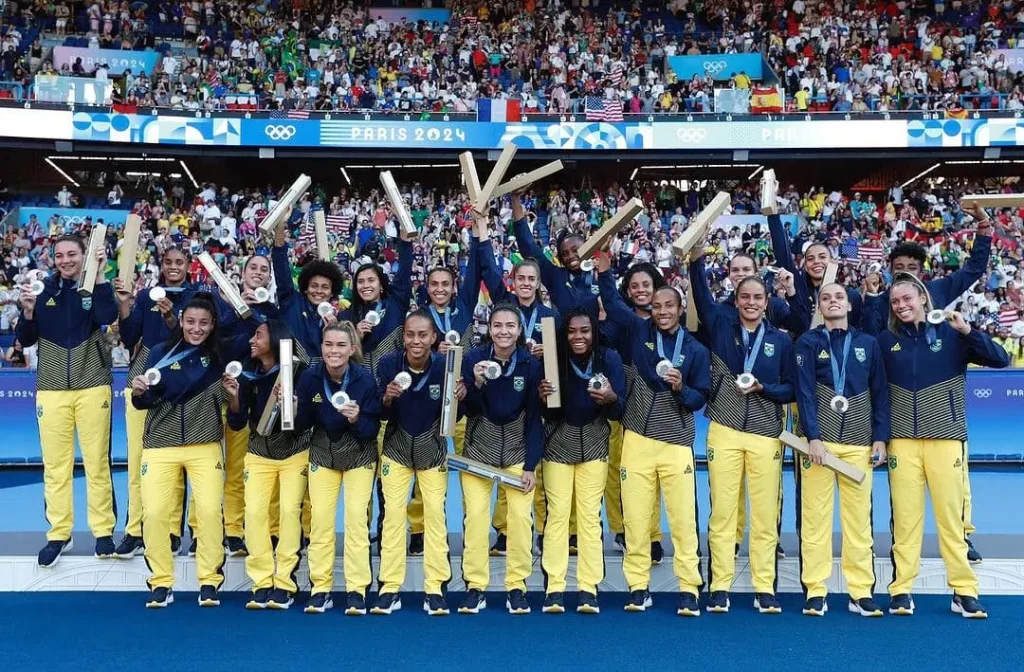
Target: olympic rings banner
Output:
{"points": [[994, 400], [663, 133], [719, 66]]}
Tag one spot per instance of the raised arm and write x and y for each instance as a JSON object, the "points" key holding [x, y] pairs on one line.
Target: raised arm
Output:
{"points": [[401, 283], [614, 307], [469, 292], [104, 305], [490, 273], [780, 243], [282, 274], [952, 286], [550, 274]]}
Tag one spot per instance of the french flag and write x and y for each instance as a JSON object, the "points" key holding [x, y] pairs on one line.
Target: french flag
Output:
{"points": [[501, 111]]}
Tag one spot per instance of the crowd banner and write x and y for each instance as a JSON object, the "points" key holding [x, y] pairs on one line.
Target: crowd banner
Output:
{"points": [[719, 66], [71, 217], [116, 59], [655, 132], [1014, 58], [732, 101], [395, 15], [72, 90], [994, 400]]}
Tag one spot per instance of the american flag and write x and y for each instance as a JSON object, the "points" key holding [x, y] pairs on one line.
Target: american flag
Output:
{"points": [[849, 250], [872, 254], [1007, 316], [599, 109], [289, 114], [337, 226], [616, 73]]}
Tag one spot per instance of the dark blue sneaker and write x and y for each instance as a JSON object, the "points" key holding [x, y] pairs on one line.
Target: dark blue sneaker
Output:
{"points": [[500, 543], [473, 603], [688, 605], [387, 603], [159, 598], [968, 607], [208, 597], [236, 547], [779, 551], [718, 602], [657, 553], [416, 543], [280, 599], [259, 599], [973, 556], [356, 605], [192, 547], [766, 603], [51, 553], [175, 544], [516, 604], [554, 603], [587, 604], [105, 548], [815, 606], [319, 603], [639, 600], [620, 542], [538, 545], [573, 545], [435, 605], [128, 547], [865, 606], [901, 605]]}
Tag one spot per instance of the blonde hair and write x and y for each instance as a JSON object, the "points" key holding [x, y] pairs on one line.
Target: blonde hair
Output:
{"points": [[349, 329], [915, 282]]}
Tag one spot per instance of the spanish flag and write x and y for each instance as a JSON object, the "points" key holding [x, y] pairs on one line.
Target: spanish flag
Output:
{"points": [[956, 113], [765, 99]]}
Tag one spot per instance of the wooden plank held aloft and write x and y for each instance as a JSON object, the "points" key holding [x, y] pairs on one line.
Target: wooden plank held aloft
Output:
{"points": [[831, 271], [226, 287], [398, 204], [470, 176], [520, 182], [508, 152], [286, 362], [128, 254], [323, 248], [91, 267], [481, 470], [549, 337], [621, 218], [266, 424], [449, 402], [697, 232], [277, 215], [841, 467]]}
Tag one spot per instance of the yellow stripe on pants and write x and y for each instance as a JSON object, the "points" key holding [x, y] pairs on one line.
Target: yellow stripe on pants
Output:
{"points": [[415, 508], [476, 562], [968, 507], [645, 462], [613, 489], [816, 491], [396, 479], [262, 476], [60, 414], [324, 488], [569, 487], [731, 453], [161, 470], [939, 465]]}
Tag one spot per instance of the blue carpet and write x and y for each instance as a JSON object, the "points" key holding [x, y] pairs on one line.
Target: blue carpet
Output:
{"points": [[79, 630]]}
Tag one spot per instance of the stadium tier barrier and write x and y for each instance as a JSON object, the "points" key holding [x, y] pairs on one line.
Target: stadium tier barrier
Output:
{"points": [[994, 401]]}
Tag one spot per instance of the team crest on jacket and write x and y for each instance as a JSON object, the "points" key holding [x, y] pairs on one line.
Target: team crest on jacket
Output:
{"points": [[39, 411], [860, 355], [799, 360], [823, 354], [769, 349], [936, 346], [895, 348], [518, 383], [87, 303], [50, 303], [435, 392], [650, 346], [317, 399], [595, 290], [205, 361], [175, 367]]}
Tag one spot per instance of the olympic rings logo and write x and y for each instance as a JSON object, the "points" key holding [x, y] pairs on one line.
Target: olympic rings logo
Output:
{"points": [[279, 132], [715, 67], [982, 393], [691, 135]]}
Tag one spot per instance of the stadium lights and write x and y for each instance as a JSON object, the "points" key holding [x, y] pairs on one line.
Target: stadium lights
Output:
{"points": [[189, 173], [131, 173], [123, 159], [703, 165], [344, 173], [754, 174], [633, 176], [919, 175], [58, 169], [987, 162]]}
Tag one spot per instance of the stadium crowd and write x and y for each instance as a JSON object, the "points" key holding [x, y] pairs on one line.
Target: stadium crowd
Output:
{"points": [[548, 54], [861, 230]]}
